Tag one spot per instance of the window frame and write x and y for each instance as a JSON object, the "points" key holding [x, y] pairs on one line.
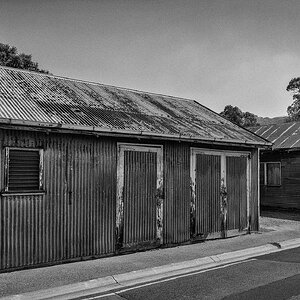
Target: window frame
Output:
{"points": [[265, 175], [41, 172]]}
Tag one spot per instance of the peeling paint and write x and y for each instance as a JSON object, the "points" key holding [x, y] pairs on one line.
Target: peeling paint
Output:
{"points": [[132, 228], [223, 204], [220, 202], [193, 206]]}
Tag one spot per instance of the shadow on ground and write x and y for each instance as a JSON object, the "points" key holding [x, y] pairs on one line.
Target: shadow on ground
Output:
{"points": [[293, 215]]}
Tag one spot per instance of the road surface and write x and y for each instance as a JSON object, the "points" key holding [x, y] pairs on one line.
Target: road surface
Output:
{"points": [[271, 277]]}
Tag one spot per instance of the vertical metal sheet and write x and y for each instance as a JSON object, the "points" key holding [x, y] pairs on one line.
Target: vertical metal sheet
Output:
{"points": [[140, 180], [76, 215], [20, 232], [254, 187], [208, 183], [177, 193], [236, 175]]}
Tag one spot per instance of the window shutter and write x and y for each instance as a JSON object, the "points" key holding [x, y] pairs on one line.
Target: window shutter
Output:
{"points": [[23, 170], [273, 174]]}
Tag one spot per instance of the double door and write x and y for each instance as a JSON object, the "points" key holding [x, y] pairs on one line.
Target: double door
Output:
{"points": [[220, 193]]}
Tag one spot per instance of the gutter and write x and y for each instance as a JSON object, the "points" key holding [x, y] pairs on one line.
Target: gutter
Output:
{"points": [[131, 133]]}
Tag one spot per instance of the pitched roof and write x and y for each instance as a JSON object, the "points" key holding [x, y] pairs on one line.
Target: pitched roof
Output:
{"points": [[37, 99], [283, 136]]}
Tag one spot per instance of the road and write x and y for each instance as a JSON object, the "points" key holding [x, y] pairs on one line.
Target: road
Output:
{"points": [[271, 277]]}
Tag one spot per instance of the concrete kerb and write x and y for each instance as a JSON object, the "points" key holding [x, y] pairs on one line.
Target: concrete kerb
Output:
{"points": [[289, 244], [119, 281]]}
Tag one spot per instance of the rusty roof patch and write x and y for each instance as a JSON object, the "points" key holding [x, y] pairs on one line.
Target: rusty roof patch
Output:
{"points": [[41, 98]]}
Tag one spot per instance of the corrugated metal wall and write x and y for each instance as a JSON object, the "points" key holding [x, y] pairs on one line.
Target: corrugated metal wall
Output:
{"points": [[208, 184], [236, 177], [177, 198], [140, 180], [76, 216], [287, 195]]}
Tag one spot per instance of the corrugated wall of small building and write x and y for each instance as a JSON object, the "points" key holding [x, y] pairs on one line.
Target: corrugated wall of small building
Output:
{"points": [[75, 217], [287, 195]]}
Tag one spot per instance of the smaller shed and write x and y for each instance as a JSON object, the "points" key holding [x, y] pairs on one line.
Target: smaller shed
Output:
{"points": [[280, 166]]}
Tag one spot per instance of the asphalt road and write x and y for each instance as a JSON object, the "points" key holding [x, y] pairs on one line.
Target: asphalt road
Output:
{"points": [[273, 276]]}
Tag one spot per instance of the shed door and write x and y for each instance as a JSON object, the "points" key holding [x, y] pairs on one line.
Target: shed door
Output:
{"points": [[236, 177], [208, 183], [215, 174], [139, 203]]}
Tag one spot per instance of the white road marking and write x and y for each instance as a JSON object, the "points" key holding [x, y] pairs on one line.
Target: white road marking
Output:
{"points": [[168, 279]]}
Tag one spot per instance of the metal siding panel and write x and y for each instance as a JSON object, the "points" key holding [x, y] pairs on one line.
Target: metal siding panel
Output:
{"points": [[177, 193], [60, 226], [208, 183], [21, 234], [140, 178], [254, 186]]}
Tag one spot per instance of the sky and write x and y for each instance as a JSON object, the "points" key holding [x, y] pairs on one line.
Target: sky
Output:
{"points": [[237, 52]]}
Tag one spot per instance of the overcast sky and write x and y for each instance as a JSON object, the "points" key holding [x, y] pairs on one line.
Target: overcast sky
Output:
{"points": [[222, 52]]}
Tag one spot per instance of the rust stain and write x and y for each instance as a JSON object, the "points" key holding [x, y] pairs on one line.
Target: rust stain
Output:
{"points": [[193, 208], [224, 204]]}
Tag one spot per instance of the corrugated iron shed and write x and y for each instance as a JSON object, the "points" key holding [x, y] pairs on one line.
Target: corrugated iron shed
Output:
{"points": [[283, 136], [28, 98]]}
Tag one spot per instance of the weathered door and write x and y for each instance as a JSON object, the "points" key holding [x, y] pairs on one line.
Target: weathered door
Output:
{"points": [[220, 193], [207, 178], [236, 178], [139, 196]]}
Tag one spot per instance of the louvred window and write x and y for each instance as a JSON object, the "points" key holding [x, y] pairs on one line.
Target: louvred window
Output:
{"points": [[24, 170]]}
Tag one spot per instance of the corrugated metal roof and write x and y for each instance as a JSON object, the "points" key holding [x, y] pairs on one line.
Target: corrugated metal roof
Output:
{"points": [[47, 100], [283, 136]]}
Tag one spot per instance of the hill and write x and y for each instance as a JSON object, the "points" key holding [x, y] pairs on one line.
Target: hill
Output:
{"points": [[268, 121]]}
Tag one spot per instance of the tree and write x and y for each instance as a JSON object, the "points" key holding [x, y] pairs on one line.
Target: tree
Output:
{"points": [[9, 57], [249, 119], [294, 109], [235, 115]]}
